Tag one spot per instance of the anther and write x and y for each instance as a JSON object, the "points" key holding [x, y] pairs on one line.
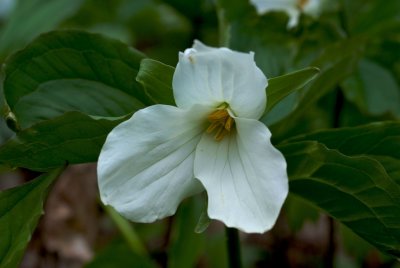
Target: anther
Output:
{"points": [[221, 122], [218, 115], [212, 127], [221, 133], [229, 123]]}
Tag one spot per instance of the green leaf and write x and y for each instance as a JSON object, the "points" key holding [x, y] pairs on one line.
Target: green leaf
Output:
{"points": [[234, 10], [372, 17], [282, 86], [30, 18], [66, 71], [354, 245], [71, 138], [373, 89], [355, 190], [156, 79], [274, 51], [20, 210], [380, 138], [336, 63], [242, 29], [380, 141]]}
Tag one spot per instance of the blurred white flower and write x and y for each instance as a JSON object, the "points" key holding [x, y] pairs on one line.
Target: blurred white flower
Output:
{"points": [[6, 7], [293, 8], [212, 140]]}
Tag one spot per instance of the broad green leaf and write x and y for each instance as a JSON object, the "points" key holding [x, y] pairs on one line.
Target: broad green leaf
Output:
{"points": [[380, 138], [372, 16], [119, 254], [30, 18], [20, 210], [336, 63], [245, 30], [66, 71], [380, 141], [386, 53], [190, 9], [233, 10], [274, 51], [373, 89], [242, 29], [357, 191], [5, 132], [353, 244], [156, 79], [71, 138], [282, 86]]}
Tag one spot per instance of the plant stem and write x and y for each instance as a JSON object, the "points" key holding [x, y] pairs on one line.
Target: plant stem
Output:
{"points": [[223, 26], [330, 251], [329, 257], [127, 232], [233, 247]]}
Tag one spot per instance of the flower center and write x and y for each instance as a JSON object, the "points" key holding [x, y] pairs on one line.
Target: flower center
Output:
{"points": [[302, 3], [221, 123]]}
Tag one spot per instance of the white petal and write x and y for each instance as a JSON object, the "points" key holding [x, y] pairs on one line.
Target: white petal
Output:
{"points": [[294, 16], [244, 176], [212, 76], [146, 165]]}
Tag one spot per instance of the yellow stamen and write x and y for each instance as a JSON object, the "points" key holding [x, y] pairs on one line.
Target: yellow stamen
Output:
{"points": [[229, 123], [221, 133], [212, 127], [218, 115], [221, 123]]}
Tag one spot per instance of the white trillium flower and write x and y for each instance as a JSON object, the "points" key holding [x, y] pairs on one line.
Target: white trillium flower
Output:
{"points": [[212, 140], [293, 8]]}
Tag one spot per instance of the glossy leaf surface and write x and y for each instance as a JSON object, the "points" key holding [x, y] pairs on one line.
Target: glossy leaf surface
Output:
{"points": [[20, 210]]}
